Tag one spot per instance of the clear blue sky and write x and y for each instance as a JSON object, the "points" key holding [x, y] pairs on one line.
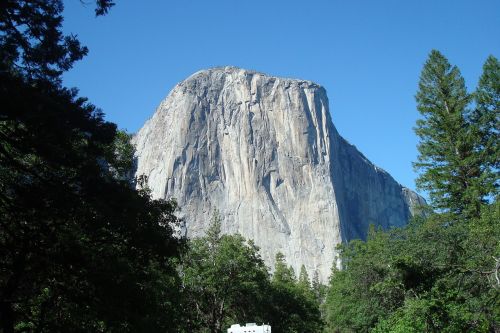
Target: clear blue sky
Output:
{"points": [[367, 54]]}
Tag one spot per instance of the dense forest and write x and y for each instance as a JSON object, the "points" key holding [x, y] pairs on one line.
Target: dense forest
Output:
{"points": [[84, 248]]}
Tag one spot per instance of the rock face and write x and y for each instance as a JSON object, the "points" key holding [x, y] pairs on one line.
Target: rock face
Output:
{"points": [[264, 152]]}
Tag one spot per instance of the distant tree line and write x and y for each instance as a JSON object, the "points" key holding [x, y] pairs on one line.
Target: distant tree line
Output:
{"points": [[83, 248]]}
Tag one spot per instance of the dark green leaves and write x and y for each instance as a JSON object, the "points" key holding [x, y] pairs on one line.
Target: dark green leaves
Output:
{"points": [[457, 143], [224, 281]]}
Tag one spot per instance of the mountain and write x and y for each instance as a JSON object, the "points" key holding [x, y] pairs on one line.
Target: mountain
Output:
{"points": [[264, 152]]}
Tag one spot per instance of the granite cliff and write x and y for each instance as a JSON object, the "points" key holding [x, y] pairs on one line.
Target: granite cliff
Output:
{"points": [[264, 152]]}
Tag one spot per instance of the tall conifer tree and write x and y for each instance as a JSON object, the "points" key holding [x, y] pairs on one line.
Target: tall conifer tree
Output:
{"points": [[486, 118], [446, 158]]}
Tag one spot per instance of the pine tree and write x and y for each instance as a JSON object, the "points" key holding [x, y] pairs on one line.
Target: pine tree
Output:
{"points": [[283, 274], [304, 278], [486, 118], [214, 231], [317, 287], [447, 161], [293, 306]]}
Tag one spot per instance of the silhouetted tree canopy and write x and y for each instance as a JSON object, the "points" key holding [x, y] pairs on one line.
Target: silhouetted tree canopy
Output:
{"points": [[31, 41], [81, 249]]}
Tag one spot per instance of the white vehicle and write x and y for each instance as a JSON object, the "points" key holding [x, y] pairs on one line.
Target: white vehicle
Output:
{"points": [[249, 328]]}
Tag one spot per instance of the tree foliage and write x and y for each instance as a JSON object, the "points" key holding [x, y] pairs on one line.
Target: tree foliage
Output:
{"points": [[32, 44], [73, 236], [428, 277], [224, 281], [293, 307], [486, 119], [457, 146], [440, 273], [81, 249]]}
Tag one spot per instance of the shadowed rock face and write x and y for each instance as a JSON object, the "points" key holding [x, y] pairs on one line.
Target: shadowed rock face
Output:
{"points": [[264, 152]]}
